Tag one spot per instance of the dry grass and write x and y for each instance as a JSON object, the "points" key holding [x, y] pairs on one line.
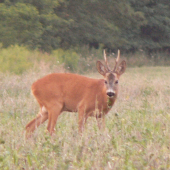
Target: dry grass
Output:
{"points": [[137, 134]]}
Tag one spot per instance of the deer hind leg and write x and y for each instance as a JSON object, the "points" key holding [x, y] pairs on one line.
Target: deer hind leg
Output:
{"points": [[53, 114], [42, 116]]}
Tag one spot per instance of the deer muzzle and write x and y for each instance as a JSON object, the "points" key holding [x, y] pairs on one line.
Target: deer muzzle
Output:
{"points": [[110, 93]]}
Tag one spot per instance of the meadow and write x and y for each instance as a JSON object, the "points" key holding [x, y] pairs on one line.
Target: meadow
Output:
{"points": [[137, 133]]}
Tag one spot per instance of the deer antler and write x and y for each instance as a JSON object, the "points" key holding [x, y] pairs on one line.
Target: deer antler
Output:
{"points": [[117, 60], [105, 58]]}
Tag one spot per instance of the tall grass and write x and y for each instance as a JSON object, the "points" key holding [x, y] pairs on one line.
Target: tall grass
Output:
{"points": [[137, 134]]}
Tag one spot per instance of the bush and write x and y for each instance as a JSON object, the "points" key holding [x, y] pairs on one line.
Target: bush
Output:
{"points": [[69, 58], [18, 59], [15, 59]]}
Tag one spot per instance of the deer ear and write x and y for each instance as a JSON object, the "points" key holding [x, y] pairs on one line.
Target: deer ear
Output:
{"points": [[121, 68], [101, 68]]}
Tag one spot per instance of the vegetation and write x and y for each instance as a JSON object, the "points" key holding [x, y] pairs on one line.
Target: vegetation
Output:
{"points": [[129, 25], [38, 37], [136, 135], [18, 59]]}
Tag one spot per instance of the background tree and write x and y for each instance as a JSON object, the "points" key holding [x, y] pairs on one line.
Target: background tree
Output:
{"points": [[19, 24], [51, 24], [155, 33]]}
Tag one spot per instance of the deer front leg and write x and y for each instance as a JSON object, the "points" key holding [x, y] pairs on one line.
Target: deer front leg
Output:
{"points": [[81, 122], [101, 122], [82, 118]]}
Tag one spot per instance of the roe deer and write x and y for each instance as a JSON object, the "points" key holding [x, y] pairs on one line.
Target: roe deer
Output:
{"points": [[60, 92]]}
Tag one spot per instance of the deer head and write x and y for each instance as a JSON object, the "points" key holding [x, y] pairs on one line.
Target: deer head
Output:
{"points": [[111, 76]]}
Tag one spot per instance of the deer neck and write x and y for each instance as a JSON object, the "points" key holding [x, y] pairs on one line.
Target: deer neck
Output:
{"points": [[109, 103]]}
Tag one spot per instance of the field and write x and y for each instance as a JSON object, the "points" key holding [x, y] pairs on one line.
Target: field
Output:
{"points": [[137, 133]]}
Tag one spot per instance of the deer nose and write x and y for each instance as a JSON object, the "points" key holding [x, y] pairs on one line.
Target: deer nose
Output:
{"points": [[110, 94]]}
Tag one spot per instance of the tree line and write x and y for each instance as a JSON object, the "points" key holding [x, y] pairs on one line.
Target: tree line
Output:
{"points": [[129, 25]]}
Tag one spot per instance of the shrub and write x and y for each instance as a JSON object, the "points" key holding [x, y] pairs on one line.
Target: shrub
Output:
{"points": [[69, 58], [15, 59]]}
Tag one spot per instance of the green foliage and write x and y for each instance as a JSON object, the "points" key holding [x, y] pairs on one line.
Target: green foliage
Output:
{"points": [[155, 32], [69, 58], [15, 59], [129, 25], [18, 59], [19, 24], [105, 22]]}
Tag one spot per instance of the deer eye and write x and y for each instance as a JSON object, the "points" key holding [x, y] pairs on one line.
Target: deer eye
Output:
{"points": [[105, 82], [116, 81]]}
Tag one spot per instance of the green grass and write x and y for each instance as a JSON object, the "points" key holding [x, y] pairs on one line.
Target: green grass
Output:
{"points": [[137, 134]]}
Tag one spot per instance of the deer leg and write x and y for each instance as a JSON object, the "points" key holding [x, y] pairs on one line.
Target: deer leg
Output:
{"points": [[81, 122], [82, 118], [42, 116], [101, 122], [54, 112]]}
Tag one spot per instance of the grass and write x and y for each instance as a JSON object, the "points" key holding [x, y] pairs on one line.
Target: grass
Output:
{"points": [[137, 134]]}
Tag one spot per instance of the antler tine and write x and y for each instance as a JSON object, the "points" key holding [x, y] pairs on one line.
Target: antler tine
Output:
{"points": [[117, 60], [105, 58]]}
